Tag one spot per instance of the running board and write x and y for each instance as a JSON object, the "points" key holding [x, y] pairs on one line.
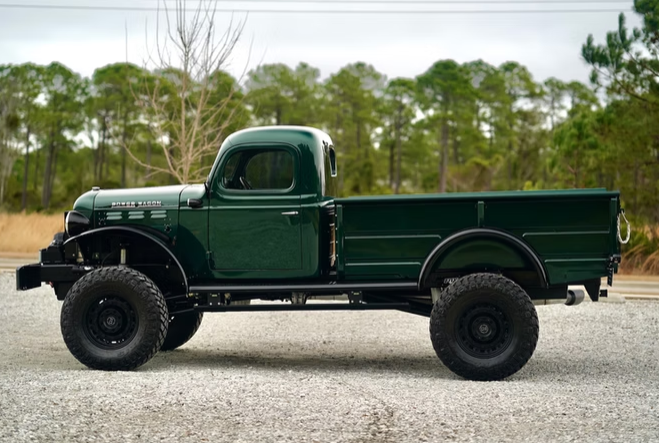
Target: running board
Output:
{"points": [[309, 289], [306, 307]]}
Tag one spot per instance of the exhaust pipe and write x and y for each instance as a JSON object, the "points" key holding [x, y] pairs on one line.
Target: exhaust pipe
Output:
{"points": [[573, 298]]}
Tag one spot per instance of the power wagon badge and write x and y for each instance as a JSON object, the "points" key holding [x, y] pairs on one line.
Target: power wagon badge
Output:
{"points": [[142, 204]]}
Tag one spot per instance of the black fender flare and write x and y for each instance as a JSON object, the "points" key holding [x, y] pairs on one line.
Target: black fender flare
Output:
{"points": [[86, 236], [465, 235]]}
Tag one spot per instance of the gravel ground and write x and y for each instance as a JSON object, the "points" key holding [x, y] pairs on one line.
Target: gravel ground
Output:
{"points": [[331, 376]]}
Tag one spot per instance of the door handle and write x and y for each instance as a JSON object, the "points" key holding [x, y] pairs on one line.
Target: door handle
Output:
{"points": [[289, 213]]}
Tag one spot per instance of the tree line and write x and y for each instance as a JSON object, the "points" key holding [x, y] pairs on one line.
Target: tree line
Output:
{"points": [[455, 127]]}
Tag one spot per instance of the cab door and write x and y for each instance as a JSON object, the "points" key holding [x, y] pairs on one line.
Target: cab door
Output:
{"points": [[254, 214]]}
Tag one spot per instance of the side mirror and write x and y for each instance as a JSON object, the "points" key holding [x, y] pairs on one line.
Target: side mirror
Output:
{"points": [[195, 202]]}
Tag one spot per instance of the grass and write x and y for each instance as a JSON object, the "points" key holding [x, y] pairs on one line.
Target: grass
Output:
{"points": [[641, 255], [24, 234]]}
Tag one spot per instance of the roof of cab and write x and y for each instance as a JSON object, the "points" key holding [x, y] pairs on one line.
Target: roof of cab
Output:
{"points": [[294, 135]]}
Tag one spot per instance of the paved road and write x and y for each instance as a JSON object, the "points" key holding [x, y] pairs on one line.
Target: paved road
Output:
{"points": [[634, 289], [330, 377], [10, 264]]}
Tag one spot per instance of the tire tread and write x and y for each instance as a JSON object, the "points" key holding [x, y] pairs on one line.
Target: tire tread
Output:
{"points": [[528, 336], [156, 312], [181, 329]]}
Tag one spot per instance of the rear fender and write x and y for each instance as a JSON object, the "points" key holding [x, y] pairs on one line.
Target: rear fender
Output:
{"points": [[482, 249]]}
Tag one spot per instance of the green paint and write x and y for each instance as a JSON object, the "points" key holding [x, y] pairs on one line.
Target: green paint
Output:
{"points": [[275, 232], [85, 203]]}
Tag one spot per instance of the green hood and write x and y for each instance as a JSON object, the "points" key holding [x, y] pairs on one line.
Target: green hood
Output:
{"points": [[161, 197], [152, 207]]}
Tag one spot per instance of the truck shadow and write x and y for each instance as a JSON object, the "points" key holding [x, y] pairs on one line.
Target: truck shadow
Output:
{"points": [[417, 365], [540, 368]]}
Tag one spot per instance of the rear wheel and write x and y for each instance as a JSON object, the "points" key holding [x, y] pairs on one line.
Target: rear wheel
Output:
{"points": [[484, 327], [182, 327], [114, 318]]}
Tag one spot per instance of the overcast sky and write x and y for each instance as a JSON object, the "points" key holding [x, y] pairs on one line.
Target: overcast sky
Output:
{"points": [[396, 44]]}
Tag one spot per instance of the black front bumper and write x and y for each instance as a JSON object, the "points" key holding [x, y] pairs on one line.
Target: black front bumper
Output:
{"points": [[32, 275], [28, 277], [52, 268]]}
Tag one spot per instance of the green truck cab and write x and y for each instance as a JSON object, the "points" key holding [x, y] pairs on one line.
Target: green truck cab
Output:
{"points": [[137, 268]]}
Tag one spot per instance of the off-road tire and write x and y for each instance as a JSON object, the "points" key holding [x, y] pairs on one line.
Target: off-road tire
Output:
{"points": [[484, 327], [112, 297], [182, 327]]}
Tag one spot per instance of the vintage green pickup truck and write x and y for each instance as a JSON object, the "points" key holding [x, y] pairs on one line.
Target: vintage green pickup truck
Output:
{"points": [[137, 268]]}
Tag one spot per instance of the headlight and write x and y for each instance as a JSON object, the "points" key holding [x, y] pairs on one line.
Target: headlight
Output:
{"points": [[75, 223]]}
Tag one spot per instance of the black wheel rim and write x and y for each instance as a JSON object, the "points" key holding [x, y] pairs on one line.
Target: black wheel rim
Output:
{"points": [[111, 322], [484, 330]]}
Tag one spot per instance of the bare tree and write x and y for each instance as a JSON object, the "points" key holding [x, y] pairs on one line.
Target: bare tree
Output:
{"points": [[9, 122], [187, 104]]}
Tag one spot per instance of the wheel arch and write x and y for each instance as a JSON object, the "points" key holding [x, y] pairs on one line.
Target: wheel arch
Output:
{"points": [[88, 239], [507, 248]]}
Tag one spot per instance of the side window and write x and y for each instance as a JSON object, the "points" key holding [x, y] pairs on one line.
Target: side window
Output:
{"points": [[262, 169], [270, 170]]}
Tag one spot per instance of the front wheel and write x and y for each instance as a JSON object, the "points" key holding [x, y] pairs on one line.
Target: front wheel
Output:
{"points": [[484, 327], [114, 318]]}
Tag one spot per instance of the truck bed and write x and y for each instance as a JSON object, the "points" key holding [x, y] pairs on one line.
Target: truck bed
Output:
{"points": [[573, 232]]}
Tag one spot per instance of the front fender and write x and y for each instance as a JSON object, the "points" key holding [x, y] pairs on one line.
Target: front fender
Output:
{"points": [[86, 240]]}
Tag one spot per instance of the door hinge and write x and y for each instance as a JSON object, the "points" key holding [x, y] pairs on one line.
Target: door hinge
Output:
{"points": [[209, 257]]}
